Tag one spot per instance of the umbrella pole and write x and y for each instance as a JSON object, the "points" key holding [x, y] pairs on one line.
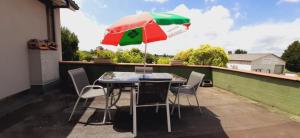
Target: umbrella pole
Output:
{"points": [[145, 58]]}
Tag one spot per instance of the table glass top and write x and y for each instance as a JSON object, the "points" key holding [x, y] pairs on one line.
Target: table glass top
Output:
{"points": [[131, 77]]}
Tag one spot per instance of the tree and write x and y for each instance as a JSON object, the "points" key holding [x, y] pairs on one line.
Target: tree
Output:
{"points": [[132, 56], [209, 55], [69, 44], [163, 60], [240, 51], [85, 55], [292, 57], [184, 55], [150, 58], [105, 54]]}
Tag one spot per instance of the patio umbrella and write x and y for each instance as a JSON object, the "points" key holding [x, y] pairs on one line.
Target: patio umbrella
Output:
{"points": [[144, 28]]}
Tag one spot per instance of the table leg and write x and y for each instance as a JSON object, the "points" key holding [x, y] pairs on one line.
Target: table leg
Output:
{"points": [[134, 114], [131, 91]]}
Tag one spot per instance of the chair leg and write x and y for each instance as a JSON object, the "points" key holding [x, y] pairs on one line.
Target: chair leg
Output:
{"points": [[85, 101], [108, 111], [168, 117], [106, 108], [112, 98], [198, 103], [157, 107], [179, 115], [187, 97], [131, 101], [74, 108], [173, 106], [109, 115]]}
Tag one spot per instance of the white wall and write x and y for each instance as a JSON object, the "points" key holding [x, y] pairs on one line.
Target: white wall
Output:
{"points": [[267, 64], [239, 66], [21, 20], [269, 60]]}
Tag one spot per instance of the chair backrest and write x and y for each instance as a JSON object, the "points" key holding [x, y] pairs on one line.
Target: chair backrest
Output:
{"points": [[152, 91], [195, 79], [79, 79], [141, 69]]}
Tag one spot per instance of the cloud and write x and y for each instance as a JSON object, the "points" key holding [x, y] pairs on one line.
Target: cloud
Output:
{"points": [[213, 26], [268, 37], [159, 1], [288, 1], [209, 1], [88, 31], [236, 9]]}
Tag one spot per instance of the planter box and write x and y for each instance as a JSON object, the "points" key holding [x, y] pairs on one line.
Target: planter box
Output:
{"points": [[176, 62], [102, 60]]}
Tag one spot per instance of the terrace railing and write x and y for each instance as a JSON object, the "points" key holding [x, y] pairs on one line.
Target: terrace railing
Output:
{"points": [[274, 90]]}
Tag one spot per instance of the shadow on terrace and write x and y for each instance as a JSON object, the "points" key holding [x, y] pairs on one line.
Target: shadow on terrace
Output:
{"points": [[47, 117]]}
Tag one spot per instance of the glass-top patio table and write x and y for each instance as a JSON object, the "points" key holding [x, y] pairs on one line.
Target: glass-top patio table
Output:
{"points": [[119, 79], [113, 78], [132, 77]]}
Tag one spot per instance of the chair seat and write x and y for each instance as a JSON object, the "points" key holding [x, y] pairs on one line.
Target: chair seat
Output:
{"points": [[174, 90], [91, 93]]}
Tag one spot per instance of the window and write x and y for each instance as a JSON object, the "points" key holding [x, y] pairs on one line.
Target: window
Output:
{"points": [[258, 70], [50, 23]]}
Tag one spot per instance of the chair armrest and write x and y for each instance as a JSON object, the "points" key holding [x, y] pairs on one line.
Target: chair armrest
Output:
{"points": [[92, 86], [186, 87]]}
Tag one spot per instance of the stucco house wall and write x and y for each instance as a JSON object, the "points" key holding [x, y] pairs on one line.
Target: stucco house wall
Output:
{"points": [[22, 20]]}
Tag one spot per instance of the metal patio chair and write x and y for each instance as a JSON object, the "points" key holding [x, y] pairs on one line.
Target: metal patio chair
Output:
{"points": [[189, 89], [87, 91], [151, 92]]}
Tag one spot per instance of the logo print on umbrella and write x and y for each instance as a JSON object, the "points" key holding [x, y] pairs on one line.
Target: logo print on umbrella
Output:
{"points": [[133, 34]]}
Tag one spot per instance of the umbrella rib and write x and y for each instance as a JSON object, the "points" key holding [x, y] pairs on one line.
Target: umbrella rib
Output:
{"points": [[115, 32]]}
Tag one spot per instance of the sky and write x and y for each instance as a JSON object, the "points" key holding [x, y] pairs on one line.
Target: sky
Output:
{"points": [[258, 26]]}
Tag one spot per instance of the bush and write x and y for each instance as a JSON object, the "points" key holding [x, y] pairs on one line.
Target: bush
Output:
{"points": [[163, 60], [105, 54], [204, 55], [132, 56], [85, 55]]}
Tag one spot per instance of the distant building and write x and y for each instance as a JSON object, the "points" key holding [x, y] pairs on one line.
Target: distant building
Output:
{"points": [[267, 63], [99, 48]]}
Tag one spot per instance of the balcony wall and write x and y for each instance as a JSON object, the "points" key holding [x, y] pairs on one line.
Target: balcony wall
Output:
{"points": [[274, 90]]}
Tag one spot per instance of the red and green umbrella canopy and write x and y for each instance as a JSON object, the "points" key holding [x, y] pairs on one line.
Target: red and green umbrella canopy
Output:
{"points": [[142, 28]]}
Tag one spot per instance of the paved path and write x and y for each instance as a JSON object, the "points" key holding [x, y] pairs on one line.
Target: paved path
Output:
{"points": [[225, 115]]}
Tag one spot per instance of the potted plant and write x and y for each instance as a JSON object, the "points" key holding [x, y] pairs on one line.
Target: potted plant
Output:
{"points": [[103, 56]]}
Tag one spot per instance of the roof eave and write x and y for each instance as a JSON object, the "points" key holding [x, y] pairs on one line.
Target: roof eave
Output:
{"points": [[70, 4]]}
